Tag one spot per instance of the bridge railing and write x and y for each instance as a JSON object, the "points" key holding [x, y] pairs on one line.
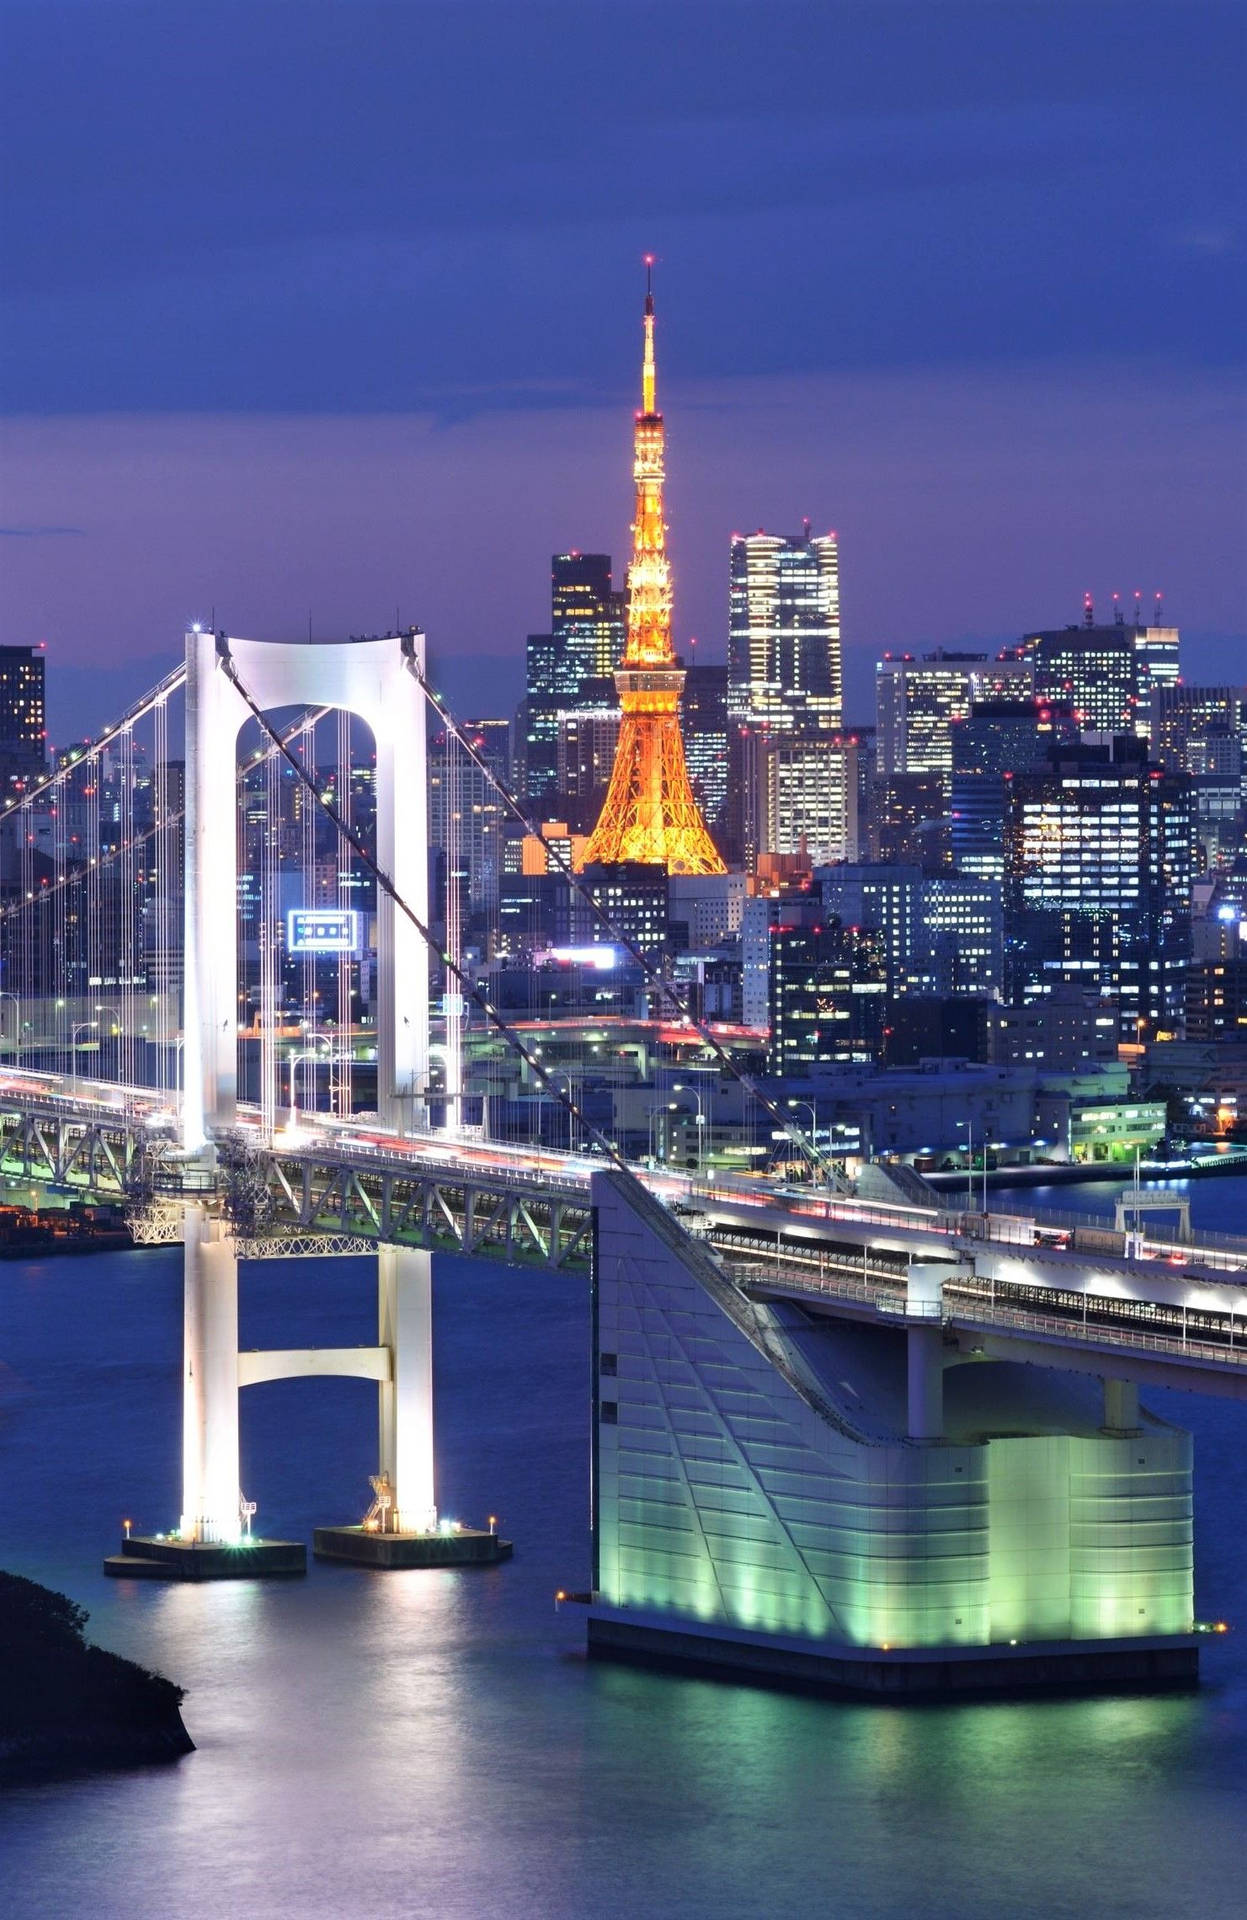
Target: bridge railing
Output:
{"points": [[967, 1306]]}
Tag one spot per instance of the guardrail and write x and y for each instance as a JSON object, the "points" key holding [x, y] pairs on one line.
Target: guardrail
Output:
{"points": [[963, 1306]]}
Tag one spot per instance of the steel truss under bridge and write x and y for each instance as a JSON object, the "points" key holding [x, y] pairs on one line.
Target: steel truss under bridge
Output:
{"points": [[508, 1216], [107, 1157]]}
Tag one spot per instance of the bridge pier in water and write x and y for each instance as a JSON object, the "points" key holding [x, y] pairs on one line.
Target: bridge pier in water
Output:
{"points": [[214, 1538]]}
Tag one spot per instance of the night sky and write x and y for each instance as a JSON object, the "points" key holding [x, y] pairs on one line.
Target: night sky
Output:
{"points": [[334, 307]]}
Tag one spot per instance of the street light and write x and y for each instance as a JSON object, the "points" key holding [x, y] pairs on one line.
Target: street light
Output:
{"points": [[968, 1126], [83, 1026], [560, 1073], [656, 1113], [679, 1086]]}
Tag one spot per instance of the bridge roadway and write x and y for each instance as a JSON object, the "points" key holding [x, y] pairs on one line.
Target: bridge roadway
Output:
{"points": [[1090, 1298]]}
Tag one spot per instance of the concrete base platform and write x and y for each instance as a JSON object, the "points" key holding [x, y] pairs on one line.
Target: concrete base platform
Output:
{"points": [[901, 1673], [144, 1557], [467, 1548]]}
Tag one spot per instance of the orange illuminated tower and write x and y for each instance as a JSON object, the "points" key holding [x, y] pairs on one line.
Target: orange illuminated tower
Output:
{"points": [[649, 813]]}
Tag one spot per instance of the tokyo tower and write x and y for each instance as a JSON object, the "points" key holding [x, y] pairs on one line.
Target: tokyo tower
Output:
{"points": [[649, 813]]}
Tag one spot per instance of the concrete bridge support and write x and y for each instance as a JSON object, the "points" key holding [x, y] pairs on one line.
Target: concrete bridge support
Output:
{"points": [[405, 1327], [1121, 1407], [925, 1356], [210, 1490]]}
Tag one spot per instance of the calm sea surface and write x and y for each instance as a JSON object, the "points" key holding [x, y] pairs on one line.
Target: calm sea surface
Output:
{"points": [[435, 1743]]}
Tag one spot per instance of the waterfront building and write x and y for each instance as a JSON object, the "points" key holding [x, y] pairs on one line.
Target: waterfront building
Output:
{"points": [[1067, 1029], [784, 662], [1216, 1000], [650, 814]]}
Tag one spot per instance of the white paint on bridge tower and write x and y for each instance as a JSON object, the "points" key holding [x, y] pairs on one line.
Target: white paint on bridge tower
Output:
{"points": [[374, 679]]}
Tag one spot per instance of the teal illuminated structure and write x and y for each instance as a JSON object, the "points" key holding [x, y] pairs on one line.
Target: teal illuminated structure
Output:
{"points": [[813, 1500]]}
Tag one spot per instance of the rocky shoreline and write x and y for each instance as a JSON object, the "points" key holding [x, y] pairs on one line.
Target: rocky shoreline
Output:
{"points": [[67, 1706]]}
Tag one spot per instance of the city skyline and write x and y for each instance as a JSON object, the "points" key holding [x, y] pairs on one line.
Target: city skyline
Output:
{"points": [[1005, 367]]}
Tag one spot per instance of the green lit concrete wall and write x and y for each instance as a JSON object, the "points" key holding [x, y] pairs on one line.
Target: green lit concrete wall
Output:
{"points": [[722, 1495], [1090, 1538]]}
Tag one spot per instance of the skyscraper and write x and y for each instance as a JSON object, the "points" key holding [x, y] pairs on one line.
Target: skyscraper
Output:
{"points": [[918, 702], [650, 814], [784, 631], [705, 727], [810, 799], [1110, 674], [996, 739], [23, 733], [1097, 886], [568, 669]]}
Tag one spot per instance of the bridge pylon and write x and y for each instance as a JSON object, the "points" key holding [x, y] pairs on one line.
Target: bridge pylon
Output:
{"points": [[376, 679]]}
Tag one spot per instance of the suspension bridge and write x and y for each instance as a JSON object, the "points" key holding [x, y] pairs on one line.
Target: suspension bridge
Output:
{"points": [[877, 1442]]}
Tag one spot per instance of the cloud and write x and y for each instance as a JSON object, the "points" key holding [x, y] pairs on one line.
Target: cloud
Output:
{"points": [[42, 533]]}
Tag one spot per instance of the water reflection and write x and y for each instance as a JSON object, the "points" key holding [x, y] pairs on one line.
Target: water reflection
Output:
{"points": [[435, 1743]]}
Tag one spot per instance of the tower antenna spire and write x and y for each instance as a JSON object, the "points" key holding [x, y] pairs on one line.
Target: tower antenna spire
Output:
{"points": [[650, 814], [648, 376]]}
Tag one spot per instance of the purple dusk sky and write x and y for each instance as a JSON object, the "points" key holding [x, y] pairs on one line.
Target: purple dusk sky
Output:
{"points": [[336, 307]]}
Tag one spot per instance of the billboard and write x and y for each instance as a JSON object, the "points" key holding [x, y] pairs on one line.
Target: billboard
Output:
{"points": [[322, 930]]}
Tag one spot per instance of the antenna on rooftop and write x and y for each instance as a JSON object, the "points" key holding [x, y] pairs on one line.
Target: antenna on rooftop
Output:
{"points": [[1088, 610]]}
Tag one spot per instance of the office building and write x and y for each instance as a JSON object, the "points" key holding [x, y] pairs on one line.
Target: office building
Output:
{"points": [[1110, 674], [569, 668], [811, 798], [826, 1000], [632, 894], [784, 666], [996, 739], [23, 725], [586, 743], [885, 898], [1097, 886], [919, 701], [704, 720], [960, 937]]}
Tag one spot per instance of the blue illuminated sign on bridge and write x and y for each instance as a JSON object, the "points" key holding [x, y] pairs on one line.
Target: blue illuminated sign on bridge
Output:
{"points": [[322, 930]]}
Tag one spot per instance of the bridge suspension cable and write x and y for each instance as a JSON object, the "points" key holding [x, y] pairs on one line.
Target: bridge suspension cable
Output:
{"points": [[546, 1081]]}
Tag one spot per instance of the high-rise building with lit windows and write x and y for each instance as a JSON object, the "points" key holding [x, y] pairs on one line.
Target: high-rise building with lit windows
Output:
{"points": [[1097, 883], [918, 703], [569, 669], [995, 740], [810, 797], [23, 727], [1109, 673], [826, 997], [784, 666]]}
